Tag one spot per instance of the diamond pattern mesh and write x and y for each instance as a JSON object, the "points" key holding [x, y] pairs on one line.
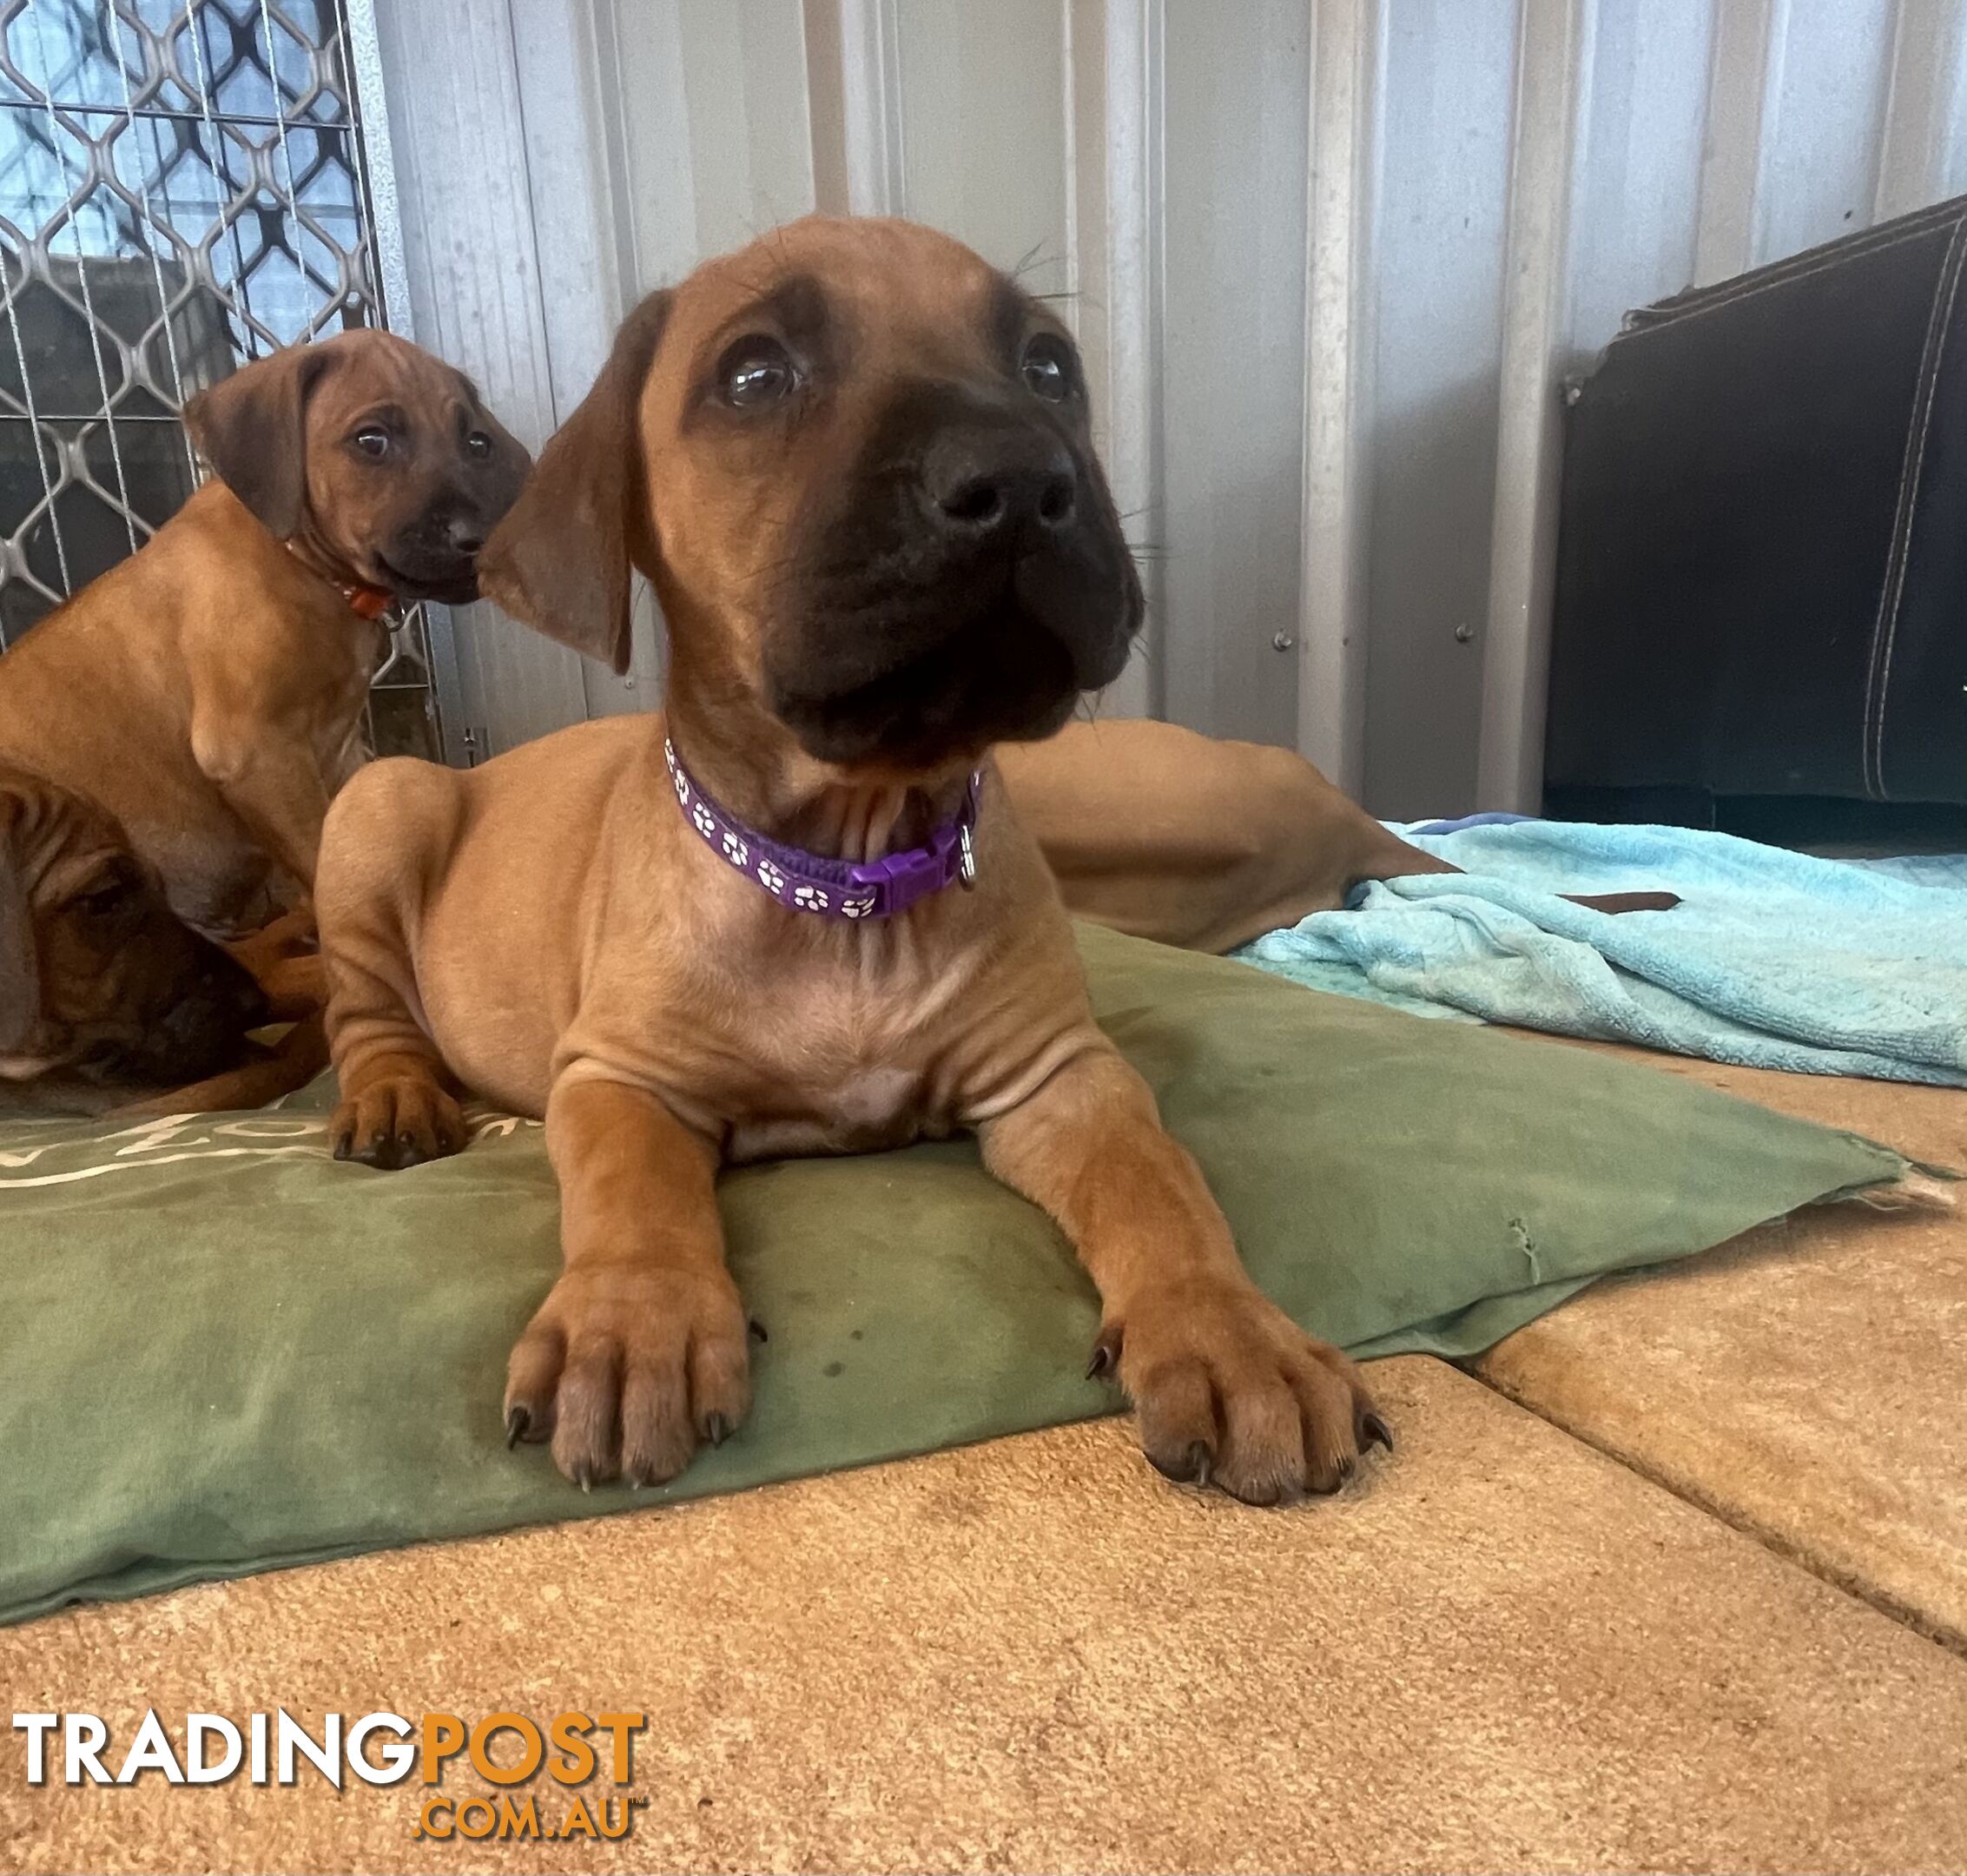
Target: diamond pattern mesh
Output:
{"points": [[182, 189]]}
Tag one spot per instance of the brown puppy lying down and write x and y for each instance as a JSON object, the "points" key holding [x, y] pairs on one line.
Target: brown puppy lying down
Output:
{"points": [[209, 690], [855, 462], [1158, 832], [108, 1001]]}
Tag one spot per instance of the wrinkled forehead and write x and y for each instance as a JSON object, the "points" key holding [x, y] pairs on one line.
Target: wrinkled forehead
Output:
{"points": [[49, 831], [872, 297], [375, 368]]}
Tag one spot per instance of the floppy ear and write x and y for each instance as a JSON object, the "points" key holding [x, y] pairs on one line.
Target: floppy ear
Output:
{"points": [[251, 428], [20, 965], [559, 560]]}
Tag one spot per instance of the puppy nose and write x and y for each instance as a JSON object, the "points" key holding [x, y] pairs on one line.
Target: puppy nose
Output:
{"points": [[984, 483], [465, 534], [249, 1005], [225, 989]]}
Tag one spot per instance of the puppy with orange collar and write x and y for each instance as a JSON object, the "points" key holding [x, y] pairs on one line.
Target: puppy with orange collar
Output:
{"points": [[209, 690]]}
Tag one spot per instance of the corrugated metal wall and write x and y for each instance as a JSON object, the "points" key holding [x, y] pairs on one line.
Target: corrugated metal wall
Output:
{"points": [[1333, 258]]}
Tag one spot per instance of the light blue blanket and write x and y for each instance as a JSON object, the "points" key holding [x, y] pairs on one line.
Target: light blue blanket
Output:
{"points": [[1773, 959]]}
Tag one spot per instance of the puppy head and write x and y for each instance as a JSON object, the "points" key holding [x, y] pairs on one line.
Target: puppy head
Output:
{"points": [[97, 976], [855, 461], [379, 455]]}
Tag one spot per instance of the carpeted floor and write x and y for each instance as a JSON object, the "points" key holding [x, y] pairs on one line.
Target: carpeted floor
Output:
{"points": [[1696, 1602]]}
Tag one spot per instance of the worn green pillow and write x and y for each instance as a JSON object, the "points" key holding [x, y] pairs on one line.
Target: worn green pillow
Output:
{"points": [[226, 1353]]}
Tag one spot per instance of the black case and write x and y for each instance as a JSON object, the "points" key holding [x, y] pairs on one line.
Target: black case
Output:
{"points": [[1762, 557]]}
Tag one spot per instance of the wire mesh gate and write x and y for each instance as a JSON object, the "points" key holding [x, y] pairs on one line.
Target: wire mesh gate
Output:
{"points": [[183, 187]]}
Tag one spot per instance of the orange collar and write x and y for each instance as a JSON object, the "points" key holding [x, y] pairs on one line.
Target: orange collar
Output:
{"points": [[365, 602], [369, 602]]}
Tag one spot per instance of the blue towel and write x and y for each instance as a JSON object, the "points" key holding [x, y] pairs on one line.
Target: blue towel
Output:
{"points": [[1772, 960]]}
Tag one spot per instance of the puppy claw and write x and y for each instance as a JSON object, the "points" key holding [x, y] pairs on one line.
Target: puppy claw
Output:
{"points": [[623, 1402], [516, 1421], [1105, 1354], [1194, 1469], [1374, 1430], [395, 1125]]}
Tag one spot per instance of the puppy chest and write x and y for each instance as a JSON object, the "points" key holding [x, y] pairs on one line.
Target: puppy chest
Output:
{"points": [[861, 1111], [791, 1076], [785, 1052]]}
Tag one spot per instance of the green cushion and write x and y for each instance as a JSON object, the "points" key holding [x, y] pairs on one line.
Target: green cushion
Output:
{"points": [[224, 1352]]}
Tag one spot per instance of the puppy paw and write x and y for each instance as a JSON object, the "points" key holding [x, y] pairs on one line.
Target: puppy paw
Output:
{"points": [[396, 1122], [1229, 1391], [627, 1367]]}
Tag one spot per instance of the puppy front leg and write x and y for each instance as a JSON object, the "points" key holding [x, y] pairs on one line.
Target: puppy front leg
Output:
{"points": [[638, 1352], [1225, 1387], [397, 1107]]}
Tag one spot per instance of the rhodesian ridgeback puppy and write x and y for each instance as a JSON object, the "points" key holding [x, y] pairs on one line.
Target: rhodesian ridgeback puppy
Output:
{"points": [[209, 690], [1191, 841], [1163, 834], [855, 462], [107, 1001]]}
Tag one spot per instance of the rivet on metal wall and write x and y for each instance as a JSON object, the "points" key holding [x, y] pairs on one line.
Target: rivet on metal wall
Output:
{"points": [[1283, 642]]}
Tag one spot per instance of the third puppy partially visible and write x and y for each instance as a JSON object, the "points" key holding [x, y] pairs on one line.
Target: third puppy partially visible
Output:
{"points": [[107, 999], [1193, 841]]}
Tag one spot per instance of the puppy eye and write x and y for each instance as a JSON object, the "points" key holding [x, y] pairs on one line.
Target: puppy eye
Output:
{"points": [[478, 444], [371, 441], [756, 372], [108, 899], [1047, 368]]}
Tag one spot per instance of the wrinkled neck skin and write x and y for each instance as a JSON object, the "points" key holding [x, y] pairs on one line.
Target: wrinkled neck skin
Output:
{"points": [[753, 767]]}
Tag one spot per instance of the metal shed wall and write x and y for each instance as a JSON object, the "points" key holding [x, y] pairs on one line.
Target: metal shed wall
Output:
{"points": [[1333, 258]]}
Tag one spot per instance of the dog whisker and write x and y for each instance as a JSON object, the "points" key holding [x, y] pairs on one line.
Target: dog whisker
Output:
{"points": [[1029, 261]]}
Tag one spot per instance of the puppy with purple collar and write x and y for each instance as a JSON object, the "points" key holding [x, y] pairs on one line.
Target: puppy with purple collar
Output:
{"points": [[796, 913]]}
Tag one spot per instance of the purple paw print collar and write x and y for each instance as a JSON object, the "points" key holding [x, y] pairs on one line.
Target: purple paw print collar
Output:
{"points": [[831, 888]]}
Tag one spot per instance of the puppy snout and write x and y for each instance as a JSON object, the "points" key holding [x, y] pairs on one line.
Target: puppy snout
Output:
{"points": [[223, 998], [465, 534], [249, 1005], [987, 484], [205, 1029]]}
